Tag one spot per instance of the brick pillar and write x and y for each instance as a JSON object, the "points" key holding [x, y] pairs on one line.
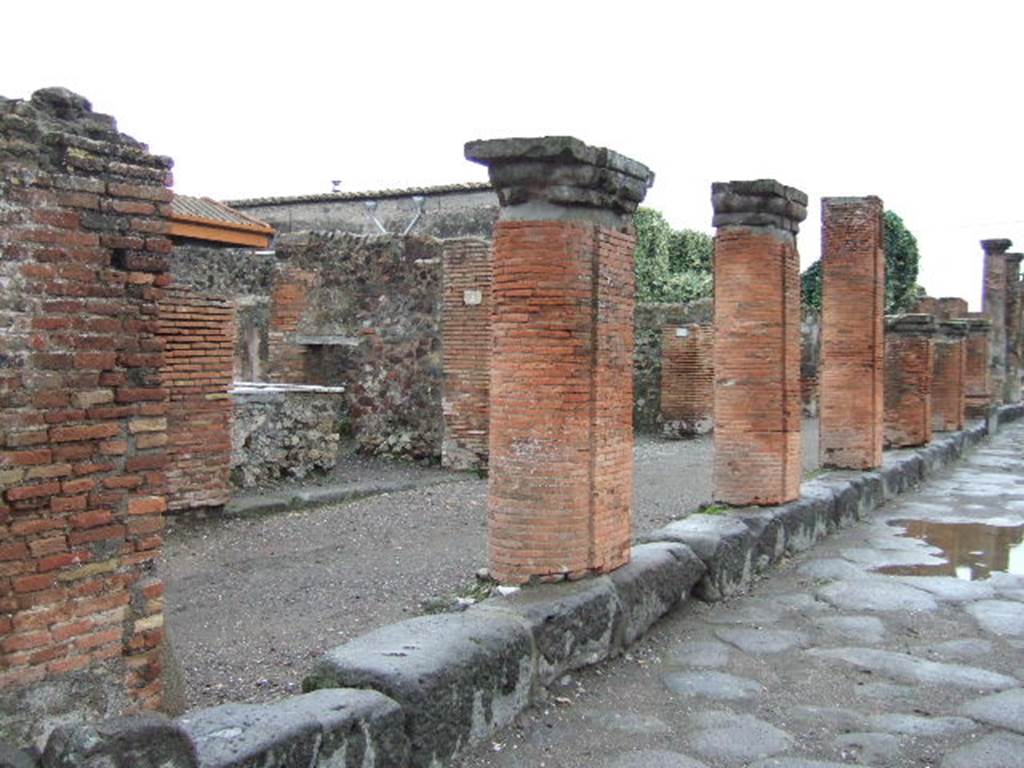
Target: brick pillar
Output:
{"points": [[1011, 387], [82, 231], [976, 363], [757, 341], [993, 304], [561, 442], [466, 352], [853, 341], [687, 380], [949, 370], [286, 360], [909, 355]]}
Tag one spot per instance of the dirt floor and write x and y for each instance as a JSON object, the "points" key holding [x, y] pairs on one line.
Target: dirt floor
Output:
{"points": [[252, 601]]}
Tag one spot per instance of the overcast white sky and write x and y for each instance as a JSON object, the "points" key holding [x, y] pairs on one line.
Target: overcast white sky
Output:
{"points": [[918, 103]]}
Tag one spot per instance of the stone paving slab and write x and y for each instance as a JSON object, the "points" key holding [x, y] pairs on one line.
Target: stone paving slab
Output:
{"points": [[845, 655]]}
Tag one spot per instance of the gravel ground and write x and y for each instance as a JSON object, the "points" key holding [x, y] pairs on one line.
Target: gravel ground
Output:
{"points": [[252, 601]]}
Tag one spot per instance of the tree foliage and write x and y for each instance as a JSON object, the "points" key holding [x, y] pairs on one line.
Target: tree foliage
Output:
{"points": [[901, 266], [671, 265]]}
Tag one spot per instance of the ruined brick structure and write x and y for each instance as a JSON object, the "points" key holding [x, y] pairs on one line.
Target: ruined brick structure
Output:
{"points": [[949, 374], [977, 389], [853, 345], [286, 359], [687, 380], [758, 414], [199, 338], [466, 351], [909, 360], [810, 362], [82, 460], [945, 308], [561, 441], [1011, 391], [993, 304]]}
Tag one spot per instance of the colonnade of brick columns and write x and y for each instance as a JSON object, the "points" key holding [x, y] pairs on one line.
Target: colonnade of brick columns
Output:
{"points": [[757, 408], [561, 422], [853, 303]]}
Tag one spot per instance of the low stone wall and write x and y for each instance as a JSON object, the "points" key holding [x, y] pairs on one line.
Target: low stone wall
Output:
{"points": [[418, 692], [284, 431]]}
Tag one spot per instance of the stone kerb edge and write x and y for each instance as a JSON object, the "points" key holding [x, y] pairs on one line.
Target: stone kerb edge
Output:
{"points": [[372, 695]]}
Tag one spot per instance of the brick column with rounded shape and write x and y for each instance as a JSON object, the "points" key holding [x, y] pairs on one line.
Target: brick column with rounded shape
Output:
{"points": [[853, 340], [976, 363], [561, 430], [909, 357], [757, 342], [1011, 386], [949, 369], [993, 304]]}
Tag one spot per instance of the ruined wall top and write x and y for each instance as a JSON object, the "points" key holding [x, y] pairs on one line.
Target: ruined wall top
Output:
{"points": [[56, 131], [759, 203], [996, 246], [913, 324], [560, 171], [953, 328]]}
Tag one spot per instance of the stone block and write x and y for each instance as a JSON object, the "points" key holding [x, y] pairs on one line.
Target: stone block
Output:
{"points": [[344, 728], [147, 741], [457, 677], [658, 577], [573, 624]]}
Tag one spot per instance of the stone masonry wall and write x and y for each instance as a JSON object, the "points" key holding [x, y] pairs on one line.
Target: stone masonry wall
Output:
{"points": [[687, 380], [466, 349], [82, 257], [199, 336]]}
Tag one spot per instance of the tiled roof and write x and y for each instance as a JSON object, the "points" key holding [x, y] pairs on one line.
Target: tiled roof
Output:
{"points": [[473, 186], [203, 208]]}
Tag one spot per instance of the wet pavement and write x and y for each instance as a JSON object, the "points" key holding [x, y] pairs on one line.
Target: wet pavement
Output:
{"points": [[897, 642]]}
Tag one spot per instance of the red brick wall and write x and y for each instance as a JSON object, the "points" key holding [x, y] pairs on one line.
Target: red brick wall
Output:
{"points": [[466, 352], [561, 441], [757, 366], [948, 385], [81, 511], [286, 361], [976, 368], [199, 344], [853, 302], [687, 379], [908, 377]]}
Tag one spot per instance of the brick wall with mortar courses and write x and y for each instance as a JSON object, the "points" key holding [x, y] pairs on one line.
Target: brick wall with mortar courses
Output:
{"points": [[1011, 393], [466, 351], [199, 338], [908, 378], [978, 391], [949, 369], [993, 304], [286, 360], [853, 302], [561, 399], [758, 415], [81, 511], [687, 378]]}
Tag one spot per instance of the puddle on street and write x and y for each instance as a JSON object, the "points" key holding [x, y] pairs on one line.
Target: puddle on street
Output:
{"points": [[973, 551]]}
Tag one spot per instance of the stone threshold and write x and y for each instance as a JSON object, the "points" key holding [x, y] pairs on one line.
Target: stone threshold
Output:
{"points": [[419, 692]]}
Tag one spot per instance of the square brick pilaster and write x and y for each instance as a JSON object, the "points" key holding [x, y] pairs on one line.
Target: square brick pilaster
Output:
{"points": [[1011, 387], [909, 358], [993, 304], [978, 395], [949, 373], [561, 429], [853, 342], [757, 342]]}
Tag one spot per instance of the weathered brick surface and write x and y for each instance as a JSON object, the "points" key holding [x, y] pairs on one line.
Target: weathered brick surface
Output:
{"points": [[909, 356], [993, 304], [757, 343], [290, 297], [687, 379], [945, 308], [81, 491], [1011, 392], [978, 391], [949, 374], [853, 346], [466, 352], [199, 335], [561, 442]]}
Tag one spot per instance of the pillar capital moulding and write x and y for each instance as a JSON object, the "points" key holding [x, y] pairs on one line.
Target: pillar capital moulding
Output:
{"points": [[996, 246]]}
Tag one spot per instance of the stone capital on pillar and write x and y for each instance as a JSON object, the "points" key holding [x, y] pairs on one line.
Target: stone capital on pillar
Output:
{"points": [[996, 246], [759, 203], [561, 177]]}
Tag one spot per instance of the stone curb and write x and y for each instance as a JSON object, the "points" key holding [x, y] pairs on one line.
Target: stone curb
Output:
{"points": [[421, 691]]}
